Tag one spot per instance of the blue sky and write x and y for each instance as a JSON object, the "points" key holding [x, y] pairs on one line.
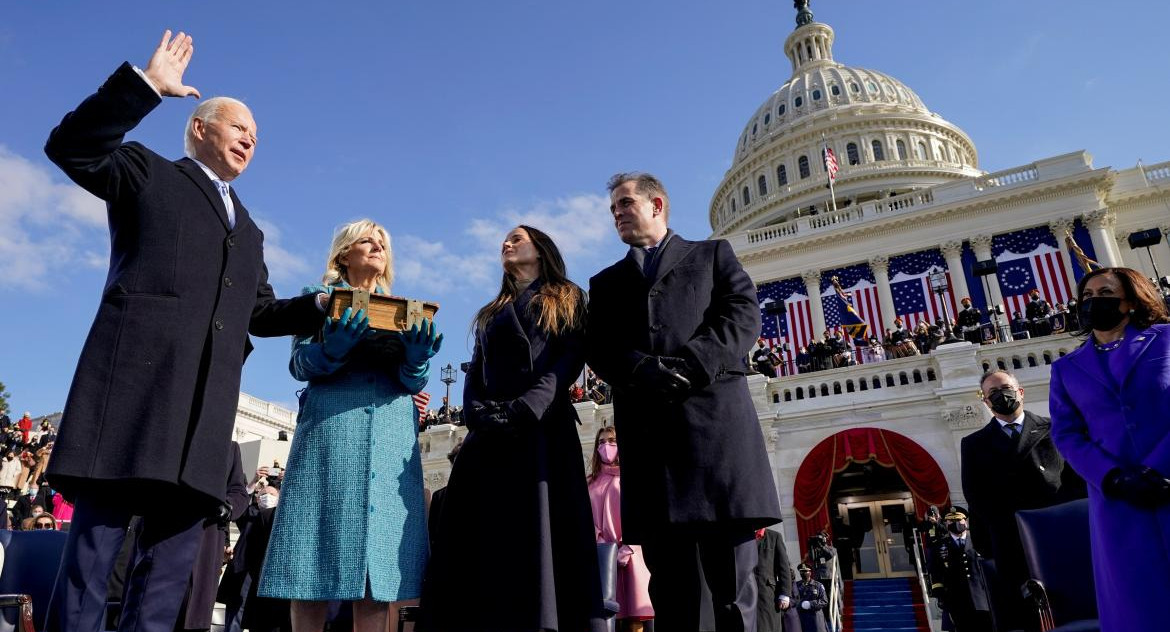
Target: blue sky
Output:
{"points": [[450, 122]]}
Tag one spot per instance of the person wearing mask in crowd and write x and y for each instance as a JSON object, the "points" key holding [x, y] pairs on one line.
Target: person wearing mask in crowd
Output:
{"points": [[670, 328], [41, 521], [969, 321], [25, 505], [762, 359], [1021, 329], [1108, 399], [515, 526], [9, 475], [244, 609], [605, 494], [923, 340], [773, 573], [1039, 315], [822, 556], [357, 424], [957, 579], [1008, 465], [811, 601], [25, 424], [153, 400], [803, 361], [1072, 322]]}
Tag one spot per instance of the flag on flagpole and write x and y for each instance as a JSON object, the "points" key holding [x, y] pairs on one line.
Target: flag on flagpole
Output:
{"points": [[831, 166], [421, 399]]}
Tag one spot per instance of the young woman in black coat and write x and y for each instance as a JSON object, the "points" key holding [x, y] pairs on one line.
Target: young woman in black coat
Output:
{"points": [[514, 549]]}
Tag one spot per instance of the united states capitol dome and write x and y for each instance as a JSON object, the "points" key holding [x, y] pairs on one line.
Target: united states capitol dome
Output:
{"points": [[885, 140]]}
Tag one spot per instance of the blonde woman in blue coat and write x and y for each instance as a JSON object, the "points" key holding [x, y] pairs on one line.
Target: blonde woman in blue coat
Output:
{"points": [[355, 445]]}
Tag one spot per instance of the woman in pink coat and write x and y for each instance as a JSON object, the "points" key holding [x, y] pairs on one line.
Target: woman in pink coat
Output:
{"points": [[605, 494]]}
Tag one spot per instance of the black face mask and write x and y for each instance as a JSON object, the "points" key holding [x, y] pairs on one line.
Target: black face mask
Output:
{"points": [[1004, 401], [1102, 313], [956, 528]]}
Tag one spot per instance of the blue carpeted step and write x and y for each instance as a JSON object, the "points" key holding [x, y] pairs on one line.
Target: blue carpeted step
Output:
{"points": [[881, 605], [882, 599]]}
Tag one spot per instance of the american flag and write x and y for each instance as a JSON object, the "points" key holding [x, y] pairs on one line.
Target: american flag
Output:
{"points": [[421, 399], [830, 162], [914, 301], [1030, 259], [785, 316]]}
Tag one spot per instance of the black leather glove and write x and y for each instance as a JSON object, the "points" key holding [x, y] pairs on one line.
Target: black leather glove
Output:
{"points": [[223, 514], [661, 376], [1140, 486], [488, 417]]}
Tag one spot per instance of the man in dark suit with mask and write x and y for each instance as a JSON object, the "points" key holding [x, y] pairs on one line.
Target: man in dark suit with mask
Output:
{"points": [[1008, 465], [670, 327]]}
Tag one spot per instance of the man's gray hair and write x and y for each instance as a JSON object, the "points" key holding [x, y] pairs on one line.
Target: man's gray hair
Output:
{"points": [[206, 111]]}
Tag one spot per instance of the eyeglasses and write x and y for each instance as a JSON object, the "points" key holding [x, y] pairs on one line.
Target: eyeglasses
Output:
{"points": [[43, 525]]}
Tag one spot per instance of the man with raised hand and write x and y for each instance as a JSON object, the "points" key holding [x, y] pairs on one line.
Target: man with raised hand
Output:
{"points": [[147, 425]]}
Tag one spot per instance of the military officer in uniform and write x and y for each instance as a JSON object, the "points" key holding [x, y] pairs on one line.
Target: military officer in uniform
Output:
{"points": [[1039, 314], [969, 318], [811, 600], [957, 579]]}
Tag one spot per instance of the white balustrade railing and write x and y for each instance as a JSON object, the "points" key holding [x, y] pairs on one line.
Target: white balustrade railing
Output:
{"points": [[1009, 177]]}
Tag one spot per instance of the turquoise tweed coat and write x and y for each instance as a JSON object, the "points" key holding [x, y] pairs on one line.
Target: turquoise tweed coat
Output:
{"points": [[351, 506]]}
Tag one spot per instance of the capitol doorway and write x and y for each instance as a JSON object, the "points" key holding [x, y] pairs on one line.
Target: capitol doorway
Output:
{"points": [[866, 487], [873, 510]]}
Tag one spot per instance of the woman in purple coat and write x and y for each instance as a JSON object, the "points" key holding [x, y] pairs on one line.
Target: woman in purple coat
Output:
{"points": [[1108, 402]]}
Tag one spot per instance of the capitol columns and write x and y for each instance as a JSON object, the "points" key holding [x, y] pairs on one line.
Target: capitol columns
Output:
{"points": [[812, 287], [1060, 228], [1100, 224], [981, 244], [880, 266], [952, 251]]}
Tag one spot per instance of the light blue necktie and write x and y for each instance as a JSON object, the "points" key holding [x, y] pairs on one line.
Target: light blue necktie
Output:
{"points": [[227, 202]]}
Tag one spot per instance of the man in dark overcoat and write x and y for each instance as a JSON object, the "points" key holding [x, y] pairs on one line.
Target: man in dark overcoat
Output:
{"points": [[1039, 314], [1008, 465], [151, 408], [774, 611], [670, 327]]}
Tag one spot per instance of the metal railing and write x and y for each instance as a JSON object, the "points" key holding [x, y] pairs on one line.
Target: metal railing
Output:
{"points": [[933, 613]]}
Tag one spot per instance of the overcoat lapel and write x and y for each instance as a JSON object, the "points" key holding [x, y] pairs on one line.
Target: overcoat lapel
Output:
{"points": [[674, 250], [192, 171], [1082, 358], [1030, 435], [1132, 350]]}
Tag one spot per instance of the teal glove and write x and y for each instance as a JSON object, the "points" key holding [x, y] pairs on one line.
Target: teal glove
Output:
{"points": [[342, 335], [421, 345]]}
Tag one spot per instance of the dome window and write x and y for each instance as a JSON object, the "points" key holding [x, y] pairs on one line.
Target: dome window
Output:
{"points": [[762, 185], [901, 148], [920, 151], [851, 154], [767, 118], [835, 90], [802, 165], [747, 197], [854, 87], [754, 125], [799, 101], [878, 153], [781, 175], [816, 95], [732, 206], [780, 112], [871, 86]]}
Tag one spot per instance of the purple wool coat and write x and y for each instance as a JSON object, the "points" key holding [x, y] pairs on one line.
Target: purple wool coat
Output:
{"points": [[1111, 412]]}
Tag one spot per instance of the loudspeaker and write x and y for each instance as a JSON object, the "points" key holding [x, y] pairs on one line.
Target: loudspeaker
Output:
{"points": [[984, 268], [1143, 238]]}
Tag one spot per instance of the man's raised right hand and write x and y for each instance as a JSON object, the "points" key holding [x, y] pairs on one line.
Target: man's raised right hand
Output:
{"points": [[166, 67]]}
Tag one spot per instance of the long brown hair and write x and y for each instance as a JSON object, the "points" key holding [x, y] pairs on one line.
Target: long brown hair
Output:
{"points": [[558, 306], [595, 463], [1148, 307]]}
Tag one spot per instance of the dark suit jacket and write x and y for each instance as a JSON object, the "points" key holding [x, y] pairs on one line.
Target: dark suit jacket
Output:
{"points": [[701, 460], [773, 579], [1000, 478], [153, 399]]}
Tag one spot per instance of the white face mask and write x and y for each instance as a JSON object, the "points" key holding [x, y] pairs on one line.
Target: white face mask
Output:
{"points": [[266, 501]]}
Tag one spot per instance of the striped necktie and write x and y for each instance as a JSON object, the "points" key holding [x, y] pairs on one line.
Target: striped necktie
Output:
{"points": [[227, 201]]}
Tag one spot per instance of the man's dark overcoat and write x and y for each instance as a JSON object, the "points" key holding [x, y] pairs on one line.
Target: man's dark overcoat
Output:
{"points": [[1001, 478], [516, 526], [773, 579], [701, 460], [154, 396]]}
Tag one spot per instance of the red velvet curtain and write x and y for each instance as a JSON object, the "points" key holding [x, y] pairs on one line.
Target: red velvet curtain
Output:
{"points": [[860, 445]]}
